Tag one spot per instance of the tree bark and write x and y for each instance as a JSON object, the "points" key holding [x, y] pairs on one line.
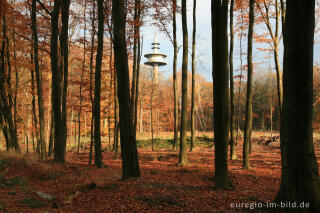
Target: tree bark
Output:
{"points": [[220, 74], [7, 122], [299, 168], [34, 117], [136, 66], [97, 88], [129, 153], [183, 160], [51, 140], [193, 75], [248, 122], [39, 80], [233, 155], [81, 80], [93, 33], [175, 85], [56, 79], [64, 64], [240, 80]]}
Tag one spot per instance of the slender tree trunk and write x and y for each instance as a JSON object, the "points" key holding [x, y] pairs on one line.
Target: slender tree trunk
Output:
{"points": [[135, 123], [151, 111], [6, 118], [85, 132], [39, 81], [248, 123], [279, 75], [110, 87], [51, 140], [134, 66], [240, 81], [129, 153], [193, 74], [35, 119], [97, 88], [271, 119], [81, 81], [299, 168], [91, 140], [115, 140], [64, 63], [56, 79], [141, 117], [183, 160], [91, 79], [175, 85], [7, 105], [233, 155], [220, 74]]}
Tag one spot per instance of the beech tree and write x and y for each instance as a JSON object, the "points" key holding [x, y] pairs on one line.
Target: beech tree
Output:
{"points": [[7, 121], [193, 74], [97, 88], [299, 167], [59, 69], [248, 122], [129, 153], [39, 80], [232, 98], [220, 74], [183, 160]]}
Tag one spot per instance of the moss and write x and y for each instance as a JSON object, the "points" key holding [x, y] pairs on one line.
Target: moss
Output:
{"points": [[32, 202]]}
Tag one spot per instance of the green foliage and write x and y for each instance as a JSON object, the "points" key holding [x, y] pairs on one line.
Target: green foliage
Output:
{"points": [[15, 181], [167, 143], [159, 143], [32, 202]]}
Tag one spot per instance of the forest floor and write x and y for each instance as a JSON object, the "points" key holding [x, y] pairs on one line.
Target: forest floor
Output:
{"points": [[30, 185]]}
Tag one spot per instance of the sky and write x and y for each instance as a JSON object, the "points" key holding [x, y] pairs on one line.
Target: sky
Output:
{"points": [[203, 40], [203, 46]]}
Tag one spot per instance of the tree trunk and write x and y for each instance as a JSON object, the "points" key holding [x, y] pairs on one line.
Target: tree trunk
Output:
{"points": [[59, 68], [50, 152], [248, 122], [115, 136], [220, 74], [141, 117], [91, 139], [183, 160], [151, 110], [193, 74], [34, 118], [56, 79], [97, 88], [233, 155], [64, 64], [279, 75], [91, 78], [271, 118], [81, 81], [129, 153], [137, 80], [175, 85], [117, 142], [85, 132], [39, 81], [299, 171], [136, 66], [240, 80]]}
